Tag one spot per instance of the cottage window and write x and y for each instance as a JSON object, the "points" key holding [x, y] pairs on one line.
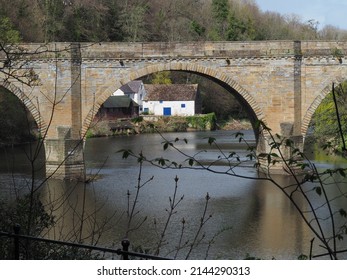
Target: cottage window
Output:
{"points": [[183, 105], [161, 101]]}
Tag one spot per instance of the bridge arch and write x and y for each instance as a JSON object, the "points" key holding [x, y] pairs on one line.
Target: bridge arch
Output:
{"points": [[217, 76], [29, 105], [315, 104]]}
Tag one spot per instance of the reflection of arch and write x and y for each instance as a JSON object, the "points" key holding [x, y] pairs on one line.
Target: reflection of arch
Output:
{"points": [[314, 105], [27, 103], [216, 74]]}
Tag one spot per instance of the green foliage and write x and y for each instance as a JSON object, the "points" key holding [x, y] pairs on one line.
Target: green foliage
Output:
{"points": [[338, 53], [220, 10], [202, 122], [8, 34], [238, 29], [229, 24], [89, 134], [137, 119], [112, 23], [83, 25], [220, 14], [162, 78], [235, 28], [326, 129], [197, 28]]}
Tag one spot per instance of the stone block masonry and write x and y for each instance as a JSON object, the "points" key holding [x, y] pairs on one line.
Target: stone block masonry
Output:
{"points": [[279, 82]]}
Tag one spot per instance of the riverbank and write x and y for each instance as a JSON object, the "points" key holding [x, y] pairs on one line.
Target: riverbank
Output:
{"points": [[151, 124], [237, 124]]}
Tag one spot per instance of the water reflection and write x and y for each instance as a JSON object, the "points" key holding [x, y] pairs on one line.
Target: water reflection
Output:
{"points": [[251, 216]]}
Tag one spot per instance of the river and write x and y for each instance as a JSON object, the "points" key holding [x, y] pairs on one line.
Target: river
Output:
{"points": [[245, 217]]}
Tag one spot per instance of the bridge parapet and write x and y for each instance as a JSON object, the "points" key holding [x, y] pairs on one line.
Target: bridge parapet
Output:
{"points": [[122, 50], [323, 48], [151, 50], [191, 50], [140, 51]]}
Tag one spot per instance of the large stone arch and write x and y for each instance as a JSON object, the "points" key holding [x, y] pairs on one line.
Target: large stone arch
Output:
{"points": [[134, 74], [28, 103], [315, 104]]}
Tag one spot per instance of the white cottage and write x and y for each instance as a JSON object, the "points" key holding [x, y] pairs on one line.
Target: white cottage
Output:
{"points": [[172, 100], [134, 90]]}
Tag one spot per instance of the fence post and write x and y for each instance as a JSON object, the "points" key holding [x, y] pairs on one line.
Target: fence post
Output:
{"points": [[125, 245], [16, 229]]}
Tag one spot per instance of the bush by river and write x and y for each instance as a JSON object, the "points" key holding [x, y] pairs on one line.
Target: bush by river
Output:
{"points": [[150, 124]]}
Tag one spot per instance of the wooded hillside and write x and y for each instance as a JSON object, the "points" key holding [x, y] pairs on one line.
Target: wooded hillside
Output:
{"points": [[155, 20]]}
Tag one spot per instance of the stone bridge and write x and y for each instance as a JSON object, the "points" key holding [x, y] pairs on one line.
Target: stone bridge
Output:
{"points": [[279, 82]]}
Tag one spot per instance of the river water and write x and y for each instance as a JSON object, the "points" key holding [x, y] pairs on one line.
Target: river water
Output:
{"points": [[244, 217]]}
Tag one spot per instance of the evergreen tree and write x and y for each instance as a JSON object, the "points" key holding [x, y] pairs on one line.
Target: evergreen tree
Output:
{"points": [[220, 14]]}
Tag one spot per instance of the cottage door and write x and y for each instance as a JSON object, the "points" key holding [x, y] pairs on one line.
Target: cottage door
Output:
{"points": [[167, 111]]}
